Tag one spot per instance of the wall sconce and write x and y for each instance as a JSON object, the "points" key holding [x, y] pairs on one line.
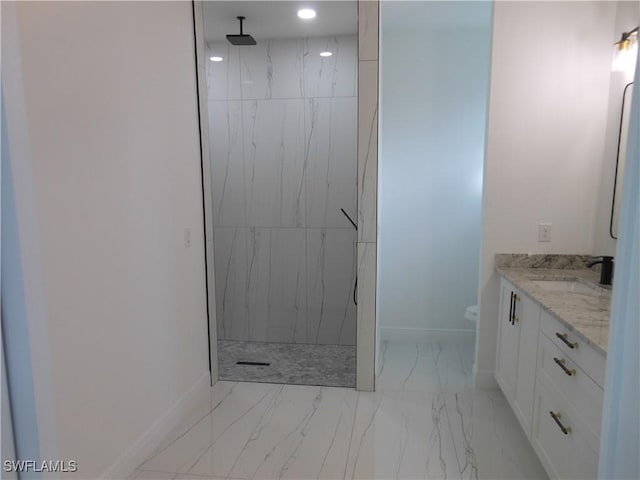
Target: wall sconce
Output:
{"points": [[626, 52]]}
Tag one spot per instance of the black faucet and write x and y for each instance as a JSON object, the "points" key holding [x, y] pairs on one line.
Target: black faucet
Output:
{"points": [[606, 274]]}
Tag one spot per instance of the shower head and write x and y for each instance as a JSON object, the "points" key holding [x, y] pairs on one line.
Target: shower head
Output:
{"points": [[241, 39]]}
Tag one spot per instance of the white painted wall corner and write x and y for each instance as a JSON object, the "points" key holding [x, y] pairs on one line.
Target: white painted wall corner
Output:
{"points": [[150, 440]]}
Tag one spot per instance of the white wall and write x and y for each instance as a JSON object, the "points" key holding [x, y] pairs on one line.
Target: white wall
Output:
{"points": [[546, 137], [110, 105], [19, 371], [282, 128], [434, 88], [627, 18]]}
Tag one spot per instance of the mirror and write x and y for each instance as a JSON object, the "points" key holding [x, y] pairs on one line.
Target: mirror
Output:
{"points": [[622, 153]]}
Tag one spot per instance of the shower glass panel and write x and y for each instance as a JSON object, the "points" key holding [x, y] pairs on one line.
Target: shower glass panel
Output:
{"points": [[282, 128], [434, 92]]}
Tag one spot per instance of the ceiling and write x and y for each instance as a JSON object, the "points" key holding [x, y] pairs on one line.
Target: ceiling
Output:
{"points": [[278, 19]]}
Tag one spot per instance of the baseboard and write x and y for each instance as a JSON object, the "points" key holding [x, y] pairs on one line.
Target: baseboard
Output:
{"points": [[125, 465], [423, 335], [485, 379]]}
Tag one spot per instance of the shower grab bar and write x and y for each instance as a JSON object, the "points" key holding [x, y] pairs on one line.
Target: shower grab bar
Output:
{"points": [[349, 218], [355, 286]]}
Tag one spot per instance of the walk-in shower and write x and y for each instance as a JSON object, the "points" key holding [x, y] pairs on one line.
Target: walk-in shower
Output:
{"points": [[282, 117]]}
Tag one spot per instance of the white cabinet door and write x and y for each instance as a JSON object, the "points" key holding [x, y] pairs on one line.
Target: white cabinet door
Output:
{"points": [[528, 314], [560, 437], [508, 339]]}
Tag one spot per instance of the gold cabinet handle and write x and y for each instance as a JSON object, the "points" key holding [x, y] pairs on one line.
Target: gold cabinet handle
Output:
{"points": [[560, 363], [563, 337], [556, 417]]}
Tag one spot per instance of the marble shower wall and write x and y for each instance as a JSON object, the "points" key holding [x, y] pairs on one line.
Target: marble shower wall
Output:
{"points": [[283, 134], [367, 349]]}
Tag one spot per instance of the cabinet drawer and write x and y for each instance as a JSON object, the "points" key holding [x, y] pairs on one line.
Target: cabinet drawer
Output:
{"points": [[564, 455], [589, 360], [578, 388]]}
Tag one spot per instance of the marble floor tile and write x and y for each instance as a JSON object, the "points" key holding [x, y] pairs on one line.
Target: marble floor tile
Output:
{"points": [[304, 433], [501, 447], [429, 422], [147, 475], [187, 476], [425, 367], [230, 421], [438, 435], [404, 435]]}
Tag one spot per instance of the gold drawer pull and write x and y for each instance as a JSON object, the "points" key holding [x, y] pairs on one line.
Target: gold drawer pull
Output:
{"points": [[560, 363], [556, 417], [563, 337]]}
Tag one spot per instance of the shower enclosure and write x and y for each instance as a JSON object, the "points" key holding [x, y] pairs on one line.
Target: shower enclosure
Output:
{"points": [[283, 130]]}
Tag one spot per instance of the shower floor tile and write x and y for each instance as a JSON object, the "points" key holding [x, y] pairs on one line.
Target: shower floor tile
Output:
{"points": [[289, 363]]}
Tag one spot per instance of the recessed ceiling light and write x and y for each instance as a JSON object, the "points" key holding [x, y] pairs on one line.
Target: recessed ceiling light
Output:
{"points": [[325, 54], [216, 59], [306, 13]]}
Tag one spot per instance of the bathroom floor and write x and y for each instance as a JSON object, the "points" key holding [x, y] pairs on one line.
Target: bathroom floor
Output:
{"points": [[424, 421], [290, 363]]}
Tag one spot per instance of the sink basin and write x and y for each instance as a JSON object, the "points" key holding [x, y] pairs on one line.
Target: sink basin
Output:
{"points": [[570, 286]]}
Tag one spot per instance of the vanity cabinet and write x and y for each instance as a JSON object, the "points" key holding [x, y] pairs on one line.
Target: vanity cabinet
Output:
{"points": [[517, 348], [553, 381], [568, 402]]}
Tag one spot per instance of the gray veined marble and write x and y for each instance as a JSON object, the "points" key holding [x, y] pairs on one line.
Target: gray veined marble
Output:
{"points": [[368, 43], [272, 69], [277, 288], [223, 78], [227, 163], [525, 260], [266, 431], [426, 367], [368, 152], [274, 162], [230, 250], [283, 135], [368, 29], [331, 166], [331, 312], [587, 315], [366, 316], [334, 76]]}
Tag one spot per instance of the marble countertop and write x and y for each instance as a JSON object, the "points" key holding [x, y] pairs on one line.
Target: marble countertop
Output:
{"points": [[587, 315]]}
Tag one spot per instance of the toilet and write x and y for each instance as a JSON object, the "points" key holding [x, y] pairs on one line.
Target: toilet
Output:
{"points": [[471, 314]]}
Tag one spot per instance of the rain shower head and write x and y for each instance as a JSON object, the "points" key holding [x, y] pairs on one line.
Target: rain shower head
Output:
{"points": [[241, 39]]}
